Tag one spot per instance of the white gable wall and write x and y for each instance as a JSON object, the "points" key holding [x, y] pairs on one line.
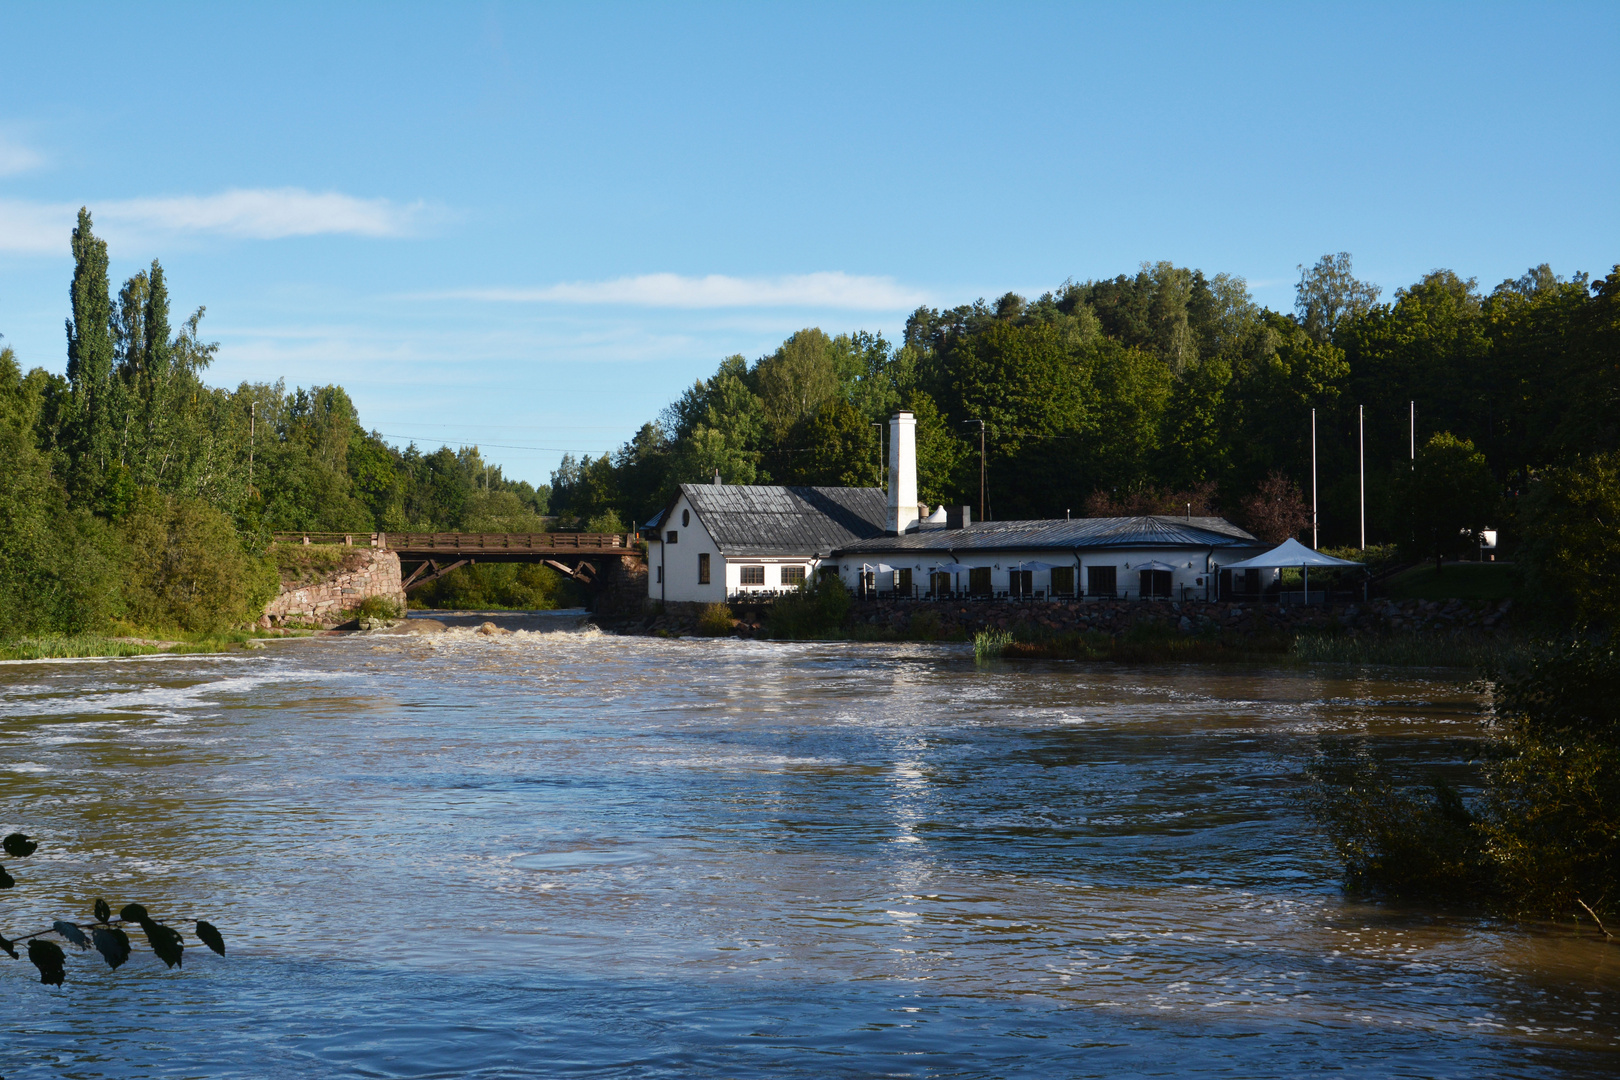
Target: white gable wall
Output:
{"points": [[677, 564], [672, 569]]}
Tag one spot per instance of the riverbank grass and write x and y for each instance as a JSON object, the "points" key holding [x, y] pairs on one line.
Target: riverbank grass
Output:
{"points": [[132, 643]]}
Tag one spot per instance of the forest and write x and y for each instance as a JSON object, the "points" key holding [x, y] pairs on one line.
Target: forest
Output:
{"points": [[134, 491], [1171, 391]]}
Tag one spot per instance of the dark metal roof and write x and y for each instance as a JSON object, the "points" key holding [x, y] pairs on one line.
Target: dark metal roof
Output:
{"points": [[1080, 533], [752, 519]]}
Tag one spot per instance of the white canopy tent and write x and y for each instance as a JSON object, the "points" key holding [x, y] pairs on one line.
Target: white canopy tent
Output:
{"points": [[1288, 555]]}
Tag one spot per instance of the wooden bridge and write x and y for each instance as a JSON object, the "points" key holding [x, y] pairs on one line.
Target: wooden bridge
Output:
{"points": [[436, 554]]}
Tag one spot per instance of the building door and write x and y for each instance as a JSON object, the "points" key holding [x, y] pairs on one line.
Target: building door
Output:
{"points": [[1156, 583], [1100, 581], [1063, 581], [1021, 582], [979, 581], [939, 584], [902, 581]]}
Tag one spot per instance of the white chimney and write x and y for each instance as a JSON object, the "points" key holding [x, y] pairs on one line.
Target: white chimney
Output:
{"points": [[902, 472]]}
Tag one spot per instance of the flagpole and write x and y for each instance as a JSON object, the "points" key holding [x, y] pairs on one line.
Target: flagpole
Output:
{"points": [[1313, 480], [1361, 467]]}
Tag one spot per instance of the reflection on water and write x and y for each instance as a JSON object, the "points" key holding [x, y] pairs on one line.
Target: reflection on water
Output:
{"points": [[571, 854]]}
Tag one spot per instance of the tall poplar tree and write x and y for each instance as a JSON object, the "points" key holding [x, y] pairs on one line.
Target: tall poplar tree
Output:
{"points": [[90, 362]]}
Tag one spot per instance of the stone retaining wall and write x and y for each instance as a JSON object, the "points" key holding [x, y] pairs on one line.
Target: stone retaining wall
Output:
{"points": [[1191, 617], [948, 619], [333, 600]]}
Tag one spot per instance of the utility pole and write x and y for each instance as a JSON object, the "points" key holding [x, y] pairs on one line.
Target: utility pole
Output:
{"points": [[1412, 437], [1313, 480], [253, 427], [1361, 467], [981, 469]]}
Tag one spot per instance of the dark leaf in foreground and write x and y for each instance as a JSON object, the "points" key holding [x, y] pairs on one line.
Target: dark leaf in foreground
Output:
{"points": [[6, 880], [133, 913], [9, 946], [112, 944], [209, 936], [47, 956], [103, 912], [72, 932], [19, 846], [165, 941]]}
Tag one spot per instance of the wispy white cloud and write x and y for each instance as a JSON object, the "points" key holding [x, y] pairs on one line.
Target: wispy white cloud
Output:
{"points": [[16, 158], [258, 214], [268, 214], [833, 289], [34, 227]]}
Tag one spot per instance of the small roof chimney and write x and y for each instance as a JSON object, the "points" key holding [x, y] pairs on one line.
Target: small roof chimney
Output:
{"points": [[716, 481]]}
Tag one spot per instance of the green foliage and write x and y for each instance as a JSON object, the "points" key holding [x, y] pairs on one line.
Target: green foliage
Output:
{"points": [[185, 566], [1571, 524], [57, 563], [816, 609], [132, 489], [1421, 844], [715, 621], [498, 586], [1469, 652], [1448, 498], [301, 564], [835, 447], [377, 607], [1544, 837], [1458, 581], [990, 644], [106, 934]]}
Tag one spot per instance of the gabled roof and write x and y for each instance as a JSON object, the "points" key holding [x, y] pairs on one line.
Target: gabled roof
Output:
{"points": [[1080, 533], [754, 519]]}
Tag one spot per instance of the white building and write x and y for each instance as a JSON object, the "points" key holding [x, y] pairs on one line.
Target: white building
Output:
{"points": [[1129, 557], [716, 542]]}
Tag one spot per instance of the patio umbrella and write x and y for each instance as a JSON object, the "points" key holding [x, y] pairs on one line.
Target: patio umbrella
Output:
{"points": [[1286, 556]]}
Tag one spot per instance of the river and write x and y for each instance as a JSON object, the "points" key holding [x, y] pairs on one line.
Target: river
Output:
{"points": [[577, 855]]}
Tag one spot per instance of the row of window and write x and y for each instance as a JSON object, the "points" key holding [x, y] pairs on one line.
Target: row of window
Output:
{"points": [[791, 576]]}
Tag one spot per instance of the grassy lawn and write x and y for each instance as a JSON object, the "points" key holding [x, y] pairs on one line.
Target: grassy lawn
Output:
{"points": [[1458, 581]]}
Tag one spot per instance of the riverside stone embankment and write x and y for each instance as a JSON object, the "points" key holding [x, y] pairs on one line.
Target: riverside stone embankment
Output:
{"points": [[332, 598], [948, 619]]}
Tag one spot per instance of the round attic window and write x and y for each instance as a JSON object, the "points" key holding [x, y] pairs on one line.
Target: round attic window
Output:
{"points": [[686, 518]]}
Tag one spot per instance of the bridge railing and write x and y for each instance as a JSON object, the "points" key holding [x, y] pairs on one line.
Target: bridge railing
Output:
{"points": [[469, 542]]}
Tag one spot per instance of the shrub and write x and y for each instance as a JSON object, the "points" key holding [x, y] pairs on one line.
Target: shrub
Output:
{"points": [[185, 567], [818, 608], [1570, 542], [377, 607], [510, 586], [1392, 840], [1552, 819], [1544, 838], [715, 621]]}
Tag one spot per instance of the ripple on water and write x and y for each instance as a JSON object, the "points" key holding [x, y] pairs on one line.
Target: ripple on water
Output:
{"points": [[570, 853]]}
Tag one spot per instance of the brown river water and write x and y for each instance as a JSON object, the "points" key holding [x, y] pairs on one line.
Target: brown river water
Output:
{"points": [[564, 853]]}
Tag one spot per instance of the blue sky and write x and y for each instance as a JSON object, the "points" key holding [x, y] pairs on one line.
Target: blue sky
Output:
{"points": [[530, 226]]}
